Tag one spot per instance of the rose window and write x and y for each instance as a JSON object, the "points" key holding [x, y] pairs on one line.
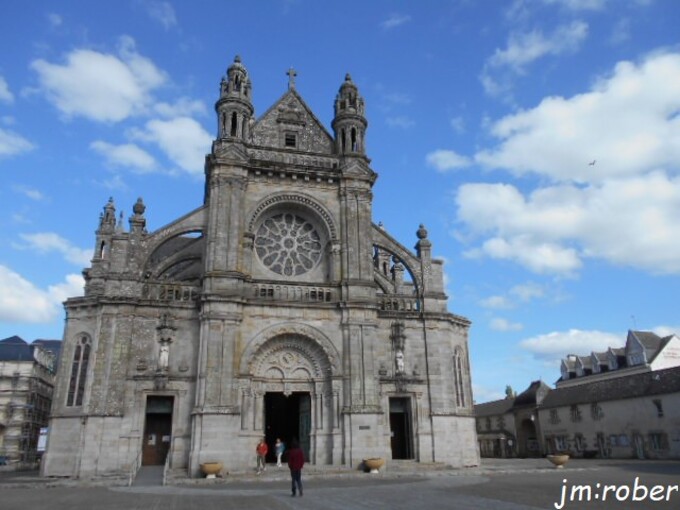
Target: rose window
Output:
{"points": [[288, 244]]}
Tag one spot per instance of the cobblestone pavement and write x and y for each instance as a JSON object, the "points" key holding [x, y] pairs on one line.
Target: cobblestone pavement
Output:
{"points": [[496, 485]]}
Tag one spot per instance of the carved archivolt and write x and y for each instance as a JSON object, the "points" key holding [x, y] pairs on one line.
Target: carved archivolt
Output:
{"points": [[297, 199], [290, 351]]}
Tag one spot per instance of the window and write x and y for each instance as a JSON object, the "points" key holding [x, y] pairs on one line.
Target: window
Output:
{"points": [[575, 414], [579, 442], [554, 417], [290, 140], [458, 378], [500, 423], [488, 424], [76, 387], [561, 443], [596, 411], [659, 407], [658, 441]]}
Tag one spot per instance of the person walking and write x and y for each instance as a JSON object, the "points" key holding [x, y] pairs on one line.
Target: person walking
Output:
{"points": [[296, 459], [261, 451], [279, 448]]}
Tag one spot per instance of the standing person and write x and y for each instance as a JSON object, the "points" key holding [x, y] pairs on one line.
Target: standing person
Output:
{"points": [[261, 451], [296, 459], [279, 448]]}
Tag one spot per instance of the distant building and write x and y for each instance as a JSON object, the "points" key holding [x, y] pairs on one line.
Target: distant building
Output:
{"points": [[510, 427], [27, 374], [620, 403]]}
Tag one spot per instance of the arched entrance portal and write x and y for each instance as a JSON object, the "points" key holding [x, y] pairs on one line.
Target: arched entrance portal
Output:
{"points": [[289, 418], [293, 375]]}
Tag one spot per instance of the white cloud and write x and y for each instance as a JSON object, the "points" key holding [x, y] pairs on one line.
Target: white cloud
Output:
{"points": [[23, 302], [162, 12], [125, 155], [552, 229], [579, 5], [624, 209], [5, 94], [663, 331], [181, 108], [445, 160], [500, 324], [400, 121], [629, 122], [182, 139], [497, 303], [518, 294], [458, 125], [99, 86], [621, 32], [31, 193], [484, 394], [556, 345], [73, 286], [395, 20], [55, 19], [537, 256], [524, 48], [12, 143], [48, 242]]}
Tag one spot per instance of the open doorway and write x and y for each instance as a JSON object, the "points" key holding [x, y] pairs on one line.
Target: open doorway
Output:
{"points": [[400, 428], [157, 430], [287, 417]]}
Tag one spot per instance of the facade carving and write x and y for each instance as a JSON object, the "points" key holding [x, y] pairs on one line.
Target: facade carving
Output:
{"points": [[276, 308]]}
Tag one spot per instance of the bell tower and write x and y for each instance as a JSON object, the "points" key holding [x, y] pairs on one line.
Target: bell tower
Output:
{"points": [[349, 123], [234, 107]]}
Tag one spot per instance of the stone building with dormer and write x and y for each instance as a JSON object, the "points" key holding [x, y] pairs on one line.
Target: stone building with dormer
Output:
{"points": [[276, 308]]}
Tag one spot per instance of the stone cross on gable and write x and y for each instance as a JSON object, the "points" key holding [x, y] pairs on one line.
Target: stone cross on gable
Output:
{"points": [[291, 78]]}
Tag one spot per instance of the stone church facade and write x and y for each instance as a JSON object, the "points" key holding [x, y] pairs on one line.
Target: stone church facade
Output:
{"points": [[277, 308]]}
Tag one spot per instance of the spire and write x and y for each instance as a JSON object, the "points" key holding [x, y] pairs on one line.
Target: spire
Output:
{"points": [[107, 219], [349, 123], [234, 107]]}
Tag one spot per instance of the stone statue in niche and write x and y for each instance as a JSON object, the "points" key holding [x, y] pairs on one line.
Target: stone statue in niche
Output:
{"points": [[164, 355], [399, 360]]}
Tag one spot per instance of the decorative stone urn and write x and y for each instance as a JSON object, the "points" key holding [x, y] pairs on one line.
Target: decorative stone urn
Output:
{"points": [[374, 464], [558, 460], [211, 469]]}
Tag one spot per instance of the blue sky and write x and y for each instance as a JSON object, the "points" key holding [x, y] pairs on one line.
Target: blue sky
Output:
{"points": [[538, 141]]}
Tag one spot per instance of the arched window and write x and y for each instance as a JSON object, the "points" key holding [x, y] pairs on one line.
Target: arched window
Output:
{"points": [[458, 372], [354, 140], [234, 123], [76, 386], [102, 250]]}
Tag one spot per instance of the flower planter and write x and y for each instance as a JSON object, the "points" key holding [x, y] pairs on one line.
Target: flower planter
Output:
{"points": [[558, 460], [211, 469], [374, 464]]}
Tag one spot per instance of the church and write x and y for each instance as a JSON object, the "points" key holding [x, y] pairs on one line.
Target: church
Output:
{"points": [[277, 308]]}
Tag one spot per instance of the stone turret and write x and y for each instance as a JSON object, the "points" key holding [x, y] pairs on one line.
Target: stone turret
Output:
{"points": [[234, 107], [349, 123]]}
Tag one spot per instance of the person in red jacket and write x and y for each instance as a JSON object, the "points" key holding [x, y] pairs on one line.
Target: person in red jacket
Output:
{"points": [[296, 459], [261, 451]]}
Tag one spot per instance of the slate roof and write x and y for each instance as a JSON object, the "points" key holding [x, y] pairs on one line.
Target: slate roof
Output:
{"points": [[494, 408], [15, 348], [533, 395], [636, 385]]}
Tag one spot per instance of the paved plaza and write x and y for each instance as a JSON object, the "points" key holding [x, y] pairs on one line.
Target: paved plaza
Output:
{"points": [[496, 485]]}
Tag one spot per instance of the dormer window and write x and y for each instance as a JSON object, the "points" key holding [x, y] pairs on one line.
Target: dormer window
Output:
{"points": [[290, 140]]}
